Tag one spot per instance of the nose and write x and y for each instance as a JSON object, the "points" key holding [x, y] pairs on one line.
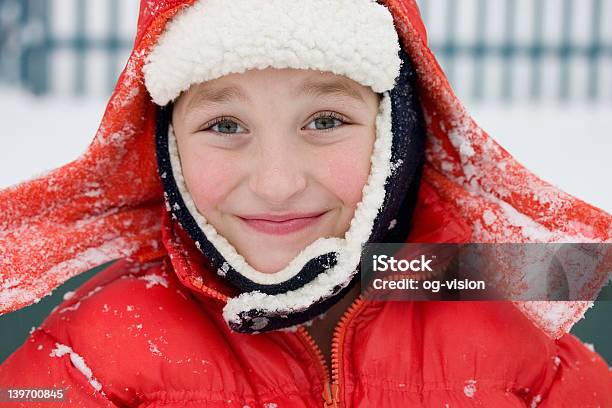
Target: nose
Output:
{"points": [[278, 174]]}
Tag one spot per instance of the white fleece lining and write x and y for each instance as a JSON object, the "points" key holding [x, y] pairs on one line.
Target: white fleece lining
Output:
{"points": [[348, 249], [212, 38]]}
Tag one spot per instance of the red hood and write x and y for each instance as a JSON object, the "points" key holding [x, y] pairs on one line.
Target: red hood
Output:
{"points": [[107, 203]]}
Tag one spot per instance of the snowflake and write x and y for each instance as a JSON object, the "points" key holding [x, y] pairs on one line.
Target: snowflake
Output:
{"points": [[470, 389]]}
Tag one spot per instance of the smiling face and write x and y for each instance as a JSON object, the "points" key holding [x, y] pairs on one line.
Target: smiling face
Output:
{"points": [[276, 158]]}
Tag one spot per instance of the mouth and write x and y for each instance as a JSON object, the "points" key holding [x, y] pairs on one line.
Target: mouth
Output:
{"points": [[283, 225]]}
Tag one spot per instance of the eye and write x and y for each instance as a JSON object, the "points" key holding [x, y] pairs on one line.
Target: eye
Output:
{"points": [[224, 125], [326, 121]]}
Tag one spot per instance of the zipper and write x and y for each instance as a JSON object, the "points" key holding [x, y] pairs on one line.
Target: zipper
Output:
{"points": [[332, 384], [151, 255], [197, 283], [215, 294]]}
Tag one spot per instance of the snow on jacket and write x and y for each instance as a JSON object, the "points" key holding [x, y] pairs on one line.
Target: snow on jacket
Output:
{"points": [[148, 331]]}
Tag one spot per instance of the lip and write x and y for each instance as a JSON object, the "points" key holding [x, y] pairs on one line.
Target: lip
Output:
{"points": [[281, 224]]}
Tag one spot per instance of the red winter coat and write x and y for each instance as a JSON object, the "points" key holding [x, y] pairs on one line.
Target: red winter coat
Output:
{"points": [[149, 331]]}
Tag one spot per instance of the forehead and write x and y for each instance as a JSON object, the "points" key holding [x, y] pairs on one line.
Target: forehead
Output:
{"points": [[307, 83]]}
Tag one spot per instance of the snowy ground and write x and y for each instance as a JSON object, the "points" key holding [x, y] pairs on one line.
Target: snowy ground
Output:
{"points": [[568, 146]]}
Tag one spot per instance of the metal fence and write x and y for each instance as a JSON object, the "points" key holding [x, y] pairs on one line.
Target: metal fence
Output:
{"points": [[65, 46], [524, 49], [508, 50]]}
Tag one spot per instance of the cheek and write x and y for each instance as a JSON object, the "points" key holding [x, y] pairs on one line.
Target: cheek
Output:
{"points": [[208, 176], [347, 170]]}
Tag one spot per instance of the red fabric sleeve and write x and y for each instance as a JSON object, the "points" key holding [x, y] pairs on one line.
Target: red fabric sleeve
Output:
{"points": [[43, 362], [583, 378]]}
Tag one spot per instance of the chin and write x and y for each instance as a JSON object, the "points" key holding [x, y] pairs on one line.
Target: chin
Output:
{"points": [[267, 267], [268, 260]]}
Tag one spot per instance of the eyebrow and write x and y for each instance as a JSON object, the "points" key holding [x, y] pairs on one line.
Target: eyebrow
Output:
{"points": [[311, 87], [217, 96], [318, 88]]}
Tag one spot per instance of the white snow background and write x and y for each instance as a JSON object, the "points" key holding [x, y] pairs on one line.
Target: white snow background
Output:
{"points": [[567, 145]]}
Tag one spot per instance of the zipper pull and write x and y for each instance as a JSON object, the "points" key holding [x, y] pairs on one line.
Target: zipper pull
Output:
{"points": [[330, 395]]}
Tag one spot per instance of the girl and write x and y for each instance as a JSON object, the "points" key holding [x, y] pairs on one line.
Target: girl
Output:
{"points": [[249, 151]]}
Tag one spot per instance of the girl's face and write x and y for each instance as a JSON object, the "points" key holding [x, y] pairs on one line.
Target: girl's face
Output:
{"points": [[276, 158]]}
